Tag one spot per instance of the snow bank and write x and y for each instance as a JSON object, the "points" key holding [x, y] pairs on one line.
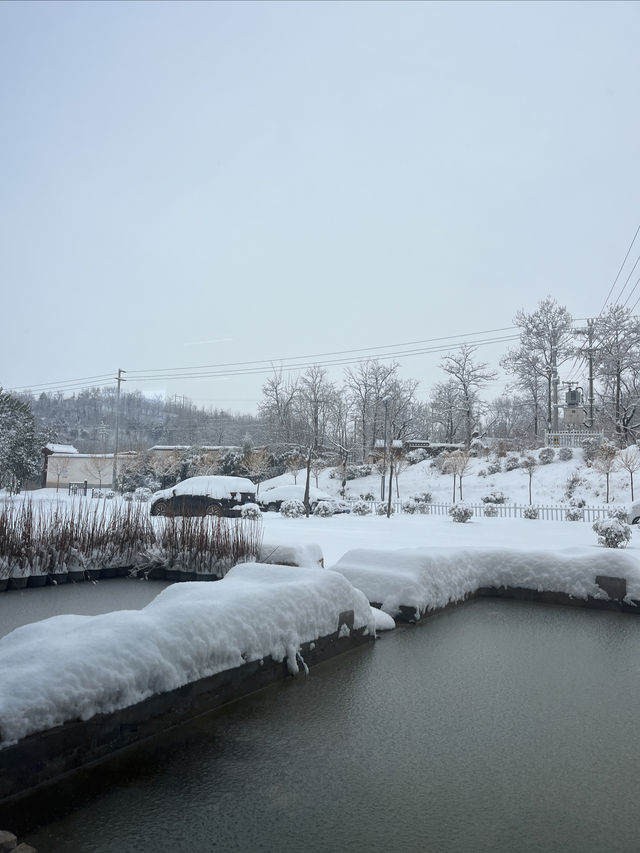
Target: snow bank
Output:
{"points": [[73, 667], [430, 578]]}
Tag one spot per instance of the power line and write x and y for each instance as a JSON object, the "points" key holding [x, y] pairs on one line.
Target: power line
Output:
{"points": [[620, 270]]}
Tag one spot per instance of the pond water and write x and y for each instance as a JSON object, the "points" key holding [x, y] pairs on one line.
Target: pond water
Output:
{"points": [[499, 726]]}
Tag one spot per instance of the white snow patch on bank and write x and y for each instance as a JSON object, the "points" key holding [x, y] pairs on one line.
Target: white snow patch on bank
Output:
{"points": [[73, 667], [430, 578]]}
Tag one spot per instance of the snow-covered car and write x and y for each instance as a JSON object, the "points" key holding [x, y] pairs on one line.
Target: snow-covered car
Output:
{"points": [[272, 499], [634, 513], [204, 496]]}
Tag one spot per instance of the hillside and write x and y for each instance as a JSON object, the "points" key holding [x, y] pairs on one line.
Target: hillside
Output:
{"points": [[550, 483]]}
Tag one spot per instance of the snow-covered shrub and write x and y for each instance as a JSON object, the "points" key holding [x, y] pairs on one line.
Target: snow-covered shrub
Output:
{"points": [[591, 446], [511, 463], [565, 454], [381, 509], [423, 508], [490, 511], [618, 512], [573, 481], [482, 473], [478, 449], [579, 502], [612, 533], [369, 496], [423, 498], [354, 472], [460, 512], [142, 494], [360, 508], [410, 507], [494, 467], [494, 498], [417, 455], [574, 513], [292, 509], [97, 493], [324, 509], [546, 455], [250, 511], [530, 512]]}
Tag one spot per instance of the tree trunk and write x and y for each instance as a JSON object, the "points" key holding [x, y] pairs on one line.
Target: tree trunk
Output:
{"points": [[307, 483], [454, 488]]}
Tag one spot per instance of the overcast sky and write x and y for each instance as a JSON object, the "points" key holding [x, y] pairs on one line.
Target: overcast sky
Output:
{"points": [[188, 184]]}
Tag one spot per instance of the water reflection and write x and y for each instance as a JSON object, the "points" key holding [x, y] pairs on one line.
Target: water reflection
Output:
{"points": [[500, 726]]}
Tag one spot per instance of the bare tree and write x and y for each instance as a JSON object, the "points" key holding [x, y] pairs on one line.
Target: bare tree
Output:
{"points": [[629, 460], [529, 465], [458, 463], [59, 465], [606, 462], [470, 377], [97, 466]]}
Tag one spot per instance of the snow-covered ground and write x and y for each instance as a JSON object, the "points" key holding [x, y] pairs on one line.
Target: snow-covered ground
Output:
{"points": [[549, 484]]}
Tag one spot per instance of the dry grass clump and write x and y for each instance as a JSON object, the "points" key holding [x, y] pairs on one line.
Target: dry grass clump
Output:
{"points": [[35, 540]]}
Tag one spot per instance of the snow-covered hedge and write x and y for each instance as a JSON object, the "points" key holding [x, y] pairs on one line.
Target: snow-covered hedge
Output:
{"points": [[511, 463], [574, 513], [494, 467], [565, 454], [490, 511], [381, 509], [460, 513], [612, 533], [252, 511], [292, 509], [494, 498], [360, 508], [619, 512], [324, 509], [530, 512]]}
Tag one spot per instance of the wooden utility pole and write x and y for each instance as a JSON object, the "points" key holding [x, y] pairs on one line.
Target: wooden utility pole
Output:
{"points": [[119, 380]]}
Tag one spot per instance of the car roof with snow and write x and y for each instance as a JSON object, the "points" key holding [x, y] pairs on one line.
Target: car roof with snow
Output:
{"points": [[293, 493], [211, 487]]}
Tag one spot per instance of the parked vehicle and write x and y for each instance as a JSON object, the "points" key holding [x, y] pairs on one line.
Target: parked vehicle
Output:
{"points": [[272, 499], [634, 513], [205, 496]]}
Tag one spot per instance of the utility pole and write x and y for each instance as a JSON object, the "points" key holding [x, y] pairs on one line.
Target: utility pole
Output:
{"points": [[119, 380], [555, 388]]}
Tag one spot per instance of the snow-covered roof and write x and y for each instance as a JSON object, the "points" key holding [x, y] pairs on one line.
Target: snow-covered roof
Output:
{"points": [[60, 448], [212, 487], [188, 632]]}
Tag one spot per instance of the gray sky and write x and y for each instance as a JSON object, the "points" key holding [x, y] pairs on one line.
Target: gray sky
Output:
{"points": [[188, 184]]}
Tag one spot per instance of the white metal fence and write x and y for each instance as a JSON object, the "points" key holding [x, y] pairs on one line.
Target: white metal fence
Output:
{"points": [[545, 513]]}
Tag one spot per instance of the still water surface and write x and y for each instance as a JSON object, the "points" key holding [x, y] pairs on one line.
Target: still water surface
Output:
{"points": [[500, 726]]}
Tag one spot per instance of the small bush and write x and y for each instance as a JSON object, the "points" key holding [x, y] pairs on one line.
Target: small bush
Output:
{"points": [[360, 508], [511, 463], [574, 513], [591, 447], [409, 507], [423, 508], [573, 481], [612, 533], [490, 511], [142, 494], [423, 498], [494, 498], [381, 509], [354, 472], [565, 454], [292, 509], [530, 512], [369, 496], [482, 473], [324, 509], [252, 511], [110, 495], [546, 455], [460, 513], [417, 455], [494, 467], [619, 512], [478, 449]]}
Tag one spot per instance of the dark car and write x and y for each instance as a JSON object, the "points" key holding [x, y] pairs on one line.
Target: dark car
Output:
{"points": [[204, 496]]}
